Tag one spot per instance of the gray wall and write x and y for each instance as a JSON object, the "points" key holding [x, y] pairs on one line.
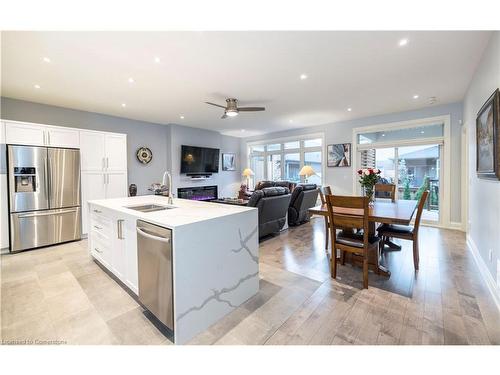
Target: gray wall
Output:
{"points": [[227, 181], [164, 141], [341, 179], [484, 195]]}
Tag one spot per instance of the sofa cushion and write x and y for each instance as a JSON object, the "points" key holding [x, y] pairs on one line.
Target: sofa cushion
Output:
{"points": [[306, 187], [264, 184], [274, 191]]}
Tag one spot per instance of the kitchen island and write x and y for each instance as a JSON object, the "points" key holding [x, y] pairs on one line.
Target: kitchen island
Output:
{"points": [[214, 255]]}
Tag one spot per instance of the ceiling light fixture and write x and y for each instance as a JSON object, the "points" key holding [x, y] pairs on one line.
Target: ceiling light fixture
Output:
{"points": [[231, 113], [303, 76], [182, 117], [157, 60], [349, 109], [242, 130], [403, 42], [422, 132], [383, 134], [36, 86], [46, 59], [124, 105], [131, 80], [415, 96]]}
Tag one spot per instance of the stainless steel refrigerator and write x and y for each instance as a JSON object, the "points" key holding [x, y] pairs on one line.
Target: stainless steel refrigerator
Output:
{"points": [[44, 196]]}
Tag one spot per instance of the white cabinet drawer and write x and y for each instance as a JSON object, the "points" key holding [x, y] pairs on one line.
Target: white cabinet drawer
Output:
{"points": [[100, 248]]}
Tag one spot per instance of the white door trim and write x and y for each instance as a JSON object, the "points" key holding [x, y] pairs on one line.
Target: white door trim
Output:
{"points": [[445, 176]]}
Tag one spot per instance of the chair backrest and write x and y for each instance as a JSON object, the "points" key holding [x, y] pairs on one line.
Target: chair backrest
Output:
{"points": [[346, 212], [323, 191], [387, 190], [420, 209]]}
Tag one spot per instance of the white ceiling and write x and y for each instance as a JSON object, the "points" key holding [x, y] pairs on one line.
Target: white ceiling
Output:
{"points": [[366, 71]]}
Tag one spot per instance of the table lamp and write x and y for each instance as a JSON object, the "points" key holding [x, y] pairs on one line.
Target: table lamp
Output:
{"points": [[307, 171], [247, 172]]}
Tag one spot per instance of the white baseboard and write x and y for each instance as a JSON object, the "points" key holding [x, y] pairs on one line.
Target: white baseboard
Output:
{"points": [[456, 225], [485, 273]]}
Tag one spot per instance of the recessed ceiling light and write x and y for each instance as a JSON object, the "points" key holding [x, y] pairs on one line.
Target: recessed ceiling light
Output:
{"points": [[242, 130], [303, 76], [182, 117], [46, 59], [349, 109], [124, 105], [415, 96], [157, 60], [403, 42], [36, 86], [383, 134], [131, 80]]}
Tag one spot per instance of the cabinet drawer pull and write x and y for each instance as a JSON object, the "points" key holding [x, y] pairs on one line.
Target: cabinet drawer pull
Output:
{"points": [[96, 249], [97, 227], [97, 211]]}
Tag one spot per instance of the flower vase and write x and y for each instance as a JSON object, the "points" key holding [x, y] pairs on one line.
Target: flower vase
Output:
{"points": [[370, 193]]}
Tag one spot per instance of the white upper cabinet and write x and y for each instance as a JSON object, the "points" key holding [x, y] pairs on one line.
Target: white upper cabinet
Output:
{"points": [[40, 135], [62, 137], [24, 134], [116, 152], [92, 151]]}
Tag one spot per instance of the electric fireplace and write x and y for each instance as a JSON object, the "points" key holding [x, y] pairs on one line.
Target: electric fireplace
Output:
{"points": [[198, 193]]}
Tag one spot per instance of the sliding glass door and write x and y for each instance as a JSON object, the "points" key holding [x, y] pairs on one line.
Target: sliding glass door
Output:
{"points": [[409, 158], [413, 169]]}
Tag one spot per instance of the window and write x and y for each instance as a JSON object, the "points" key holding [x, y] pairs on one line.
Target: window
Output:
{"points": [[274, 166], [292, 167], [284, 160]]}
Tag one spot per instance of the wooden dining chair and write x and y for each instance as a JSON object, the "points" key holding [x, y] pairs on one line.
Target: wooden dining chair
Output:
{"points": [[324, 191], [405, 232], [385, 191], [346, 214]]}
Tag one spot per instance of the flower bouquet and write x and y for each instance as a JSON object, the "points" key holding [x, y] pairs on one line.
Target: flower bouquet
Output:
{"points": [[368, 177]]}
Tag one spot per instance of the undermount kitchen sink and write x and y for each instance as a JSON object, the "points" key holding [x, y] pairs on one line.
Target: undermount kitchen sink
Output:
{"points": [[149, 207]]}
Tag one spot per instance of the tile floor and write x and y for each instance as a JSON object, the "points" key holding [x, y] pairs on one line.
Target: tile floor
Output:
{"points": [[59, 295]]}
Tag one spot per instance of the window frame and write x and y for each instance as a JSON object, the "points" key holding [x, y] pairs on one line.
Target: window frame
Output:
{"points": [[444, 143], [301, 151]]}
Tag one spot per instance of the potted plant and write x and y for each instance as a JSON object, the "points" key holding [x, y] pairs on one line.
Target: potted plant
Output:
{"points": [[368, 177]]}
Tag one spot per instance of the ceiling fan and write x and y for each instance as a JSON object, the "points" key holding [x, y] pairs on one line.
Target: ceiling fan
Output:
{"points": [[231, 109]]}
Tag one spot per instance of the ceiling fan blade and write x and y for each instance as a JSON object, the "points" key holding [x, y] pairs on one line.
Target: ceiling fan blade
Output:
{"points": [[217, 105], [224, 116], [251, 109]]}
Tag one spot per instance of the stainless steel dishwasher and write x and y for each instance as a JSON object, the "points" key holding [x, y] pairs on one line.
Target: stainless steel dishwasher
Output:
{"points": [[154, 251]]}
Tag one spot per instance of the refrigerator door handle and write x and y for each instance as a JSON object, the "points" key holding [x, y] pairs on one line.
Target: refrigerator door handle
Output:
{"points": [[107, 163], [103, 163], [37, 214], [46, 175]]}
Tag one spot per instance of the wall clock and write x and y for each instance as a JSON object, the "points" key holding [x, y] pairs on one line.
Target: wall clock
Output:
{"points": [[144, 155]]}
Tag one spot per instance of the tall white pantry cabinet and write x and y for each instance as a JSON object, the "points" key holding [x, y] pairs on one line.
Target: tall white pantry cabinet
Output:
{"points": [[103, 160]]}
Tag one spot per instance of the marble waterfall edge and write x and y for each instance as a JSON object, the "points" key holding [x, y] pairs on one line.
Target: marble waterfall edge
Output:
{"points": [[216, 269]]}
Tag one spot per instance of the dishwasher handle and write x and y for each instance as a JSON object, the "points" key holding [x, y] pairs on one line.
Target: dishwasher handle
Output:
{"points": [[141, 232]]}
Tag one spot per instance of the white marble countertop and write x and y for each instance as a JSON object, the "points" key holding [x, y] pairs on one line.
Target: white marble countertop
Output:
{"points": [[185, 211]]}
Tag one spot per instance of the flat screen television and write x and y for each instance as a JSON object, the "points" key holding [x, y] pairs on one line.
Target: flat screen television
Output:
{"points": [[199, 160]]}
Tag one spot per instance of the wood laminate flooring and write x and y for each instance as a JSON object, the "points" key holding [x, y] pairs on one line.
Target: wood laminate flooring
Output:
{"points": [[59, 295]]}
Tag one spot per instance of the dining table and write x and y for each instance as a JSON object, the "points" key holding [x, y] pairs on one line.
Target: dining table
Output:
{"points": [[380, 211]]}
